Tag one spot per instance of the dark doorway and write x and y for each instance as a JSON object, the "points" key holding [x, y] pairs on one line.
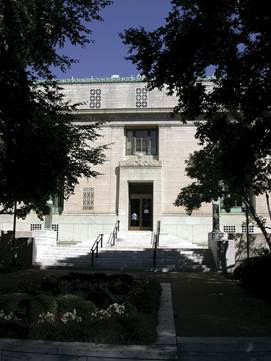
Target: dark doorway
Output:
{"points": [[140, 206]]}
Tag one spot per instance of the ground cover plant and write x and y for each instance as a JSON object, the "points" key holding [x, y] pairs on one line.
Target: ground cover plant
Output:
{"points": [[100, 308]]}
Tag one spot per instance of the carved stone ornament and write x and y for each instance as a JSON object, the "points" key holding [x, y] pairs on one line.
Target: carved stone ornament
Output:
{"points": [[141, 160]]}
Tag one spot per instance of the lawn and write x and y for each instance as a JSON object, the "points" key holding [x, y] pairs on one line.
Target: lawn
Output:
{"points": [[116, 309]]}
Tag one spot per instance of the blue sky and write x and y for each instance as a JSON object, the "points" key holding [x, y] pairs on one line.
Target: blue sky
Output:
{"points": [[106, 56]]}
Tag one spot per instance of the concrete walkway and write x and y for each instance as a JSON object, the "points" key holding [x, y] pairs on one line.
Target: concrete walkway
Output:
{"points": [[216, 320]]}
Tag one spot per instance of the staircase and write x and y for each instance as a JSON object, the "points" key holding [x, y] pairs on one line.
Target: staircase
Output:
{"points": [[133, 251]]}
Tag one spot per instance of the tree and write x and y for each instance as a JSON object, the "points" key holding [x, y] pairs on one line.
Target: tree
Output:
{"points": [[42, 152], [233, 38]]}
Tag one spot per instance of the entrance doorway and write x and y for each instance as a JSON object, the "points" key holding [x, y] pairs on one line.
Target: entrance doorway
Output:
{"points": [[140, 206]]}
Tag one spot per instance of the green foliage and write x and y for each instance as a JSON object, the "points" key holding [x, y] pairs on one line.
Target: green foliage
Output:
{"points": [[69, 302], [36, 123], [139, 327], [254, 276], [136, 326], [233, 39], [13, 302], [13, 329], [73, 331], [37, 305], [146, 299]]}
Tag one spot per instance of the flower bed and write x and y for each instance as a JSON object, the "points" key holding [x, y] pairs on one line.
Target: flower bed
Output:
{"points": [[99, 308]]}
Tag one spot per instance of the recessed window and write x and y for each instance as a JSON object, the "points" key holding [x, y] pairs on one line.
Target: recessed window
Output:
{"points": [[141, 98], [141, 141], [88, 198], [95, 98]]}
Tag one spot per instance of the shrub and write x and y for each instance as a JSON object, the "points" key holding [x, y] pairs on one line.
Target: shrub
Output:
{"points": [[13, 329], [49, 284], [69, 302], [146, 296], [254, 275], [139, 328], [13, 302], [36, 305], [83, 307], [100, 296]]}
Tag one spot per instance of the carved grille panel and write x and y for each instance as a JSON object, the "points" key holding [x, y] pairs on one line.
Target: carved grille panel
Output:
{"points": [[95, 98], [35, 227], [250, 229], [88, 198], [230, 229], [55, 227], [141, 98]]}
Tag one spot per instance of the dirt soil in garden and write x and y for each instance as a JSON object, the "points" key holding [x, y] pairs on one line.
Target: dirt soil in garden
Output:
{"points": [[205, 304]]}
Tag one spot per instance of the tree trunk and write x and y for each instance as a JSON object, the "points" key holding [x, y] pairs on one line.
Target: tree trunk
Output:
{"points": [[13, 251], [268, 204]]}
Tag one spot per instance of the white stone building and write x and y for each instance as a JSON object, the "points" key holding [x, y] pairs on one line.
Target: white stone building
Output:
{"points": [[144, 171]]}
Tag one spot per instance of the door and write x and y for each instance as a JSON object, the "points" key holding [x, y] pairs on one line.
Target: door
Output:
{"points": [[140, 215]]}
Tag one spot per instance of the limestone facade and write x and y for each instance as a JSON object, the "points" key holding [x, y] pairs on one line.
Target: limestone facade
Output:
{"points": [[144, 171]]}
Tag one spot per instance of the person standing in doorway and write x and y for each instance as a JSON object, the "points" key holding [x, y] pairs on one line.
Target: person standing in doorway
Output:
{"points": [[134, 219]]}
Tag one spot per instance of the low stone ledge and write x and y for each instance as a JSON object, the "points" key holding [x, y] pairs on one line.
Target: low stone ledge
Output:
{"points": [[223, 344], [165, 348]]}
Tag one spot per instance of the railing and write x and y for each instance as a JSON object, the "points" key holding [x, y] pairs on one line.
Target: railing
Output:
{"points": [[114, 235], [95, 248], [155, 244]]}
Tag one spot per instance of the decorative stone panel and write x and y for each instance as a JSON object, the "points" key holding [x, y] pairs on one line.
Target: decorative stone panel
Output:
{"points": [[95, 98], [88, 198], [141, 161], [141, 98]]}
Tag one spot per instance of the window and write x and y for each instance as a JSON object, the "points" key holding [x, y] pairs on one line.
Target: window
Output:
{"points": [[88, 198], [95, 98], [141, 98], [58, 204], [229, 229], [35, 227], [141, 141], [250, 229]]}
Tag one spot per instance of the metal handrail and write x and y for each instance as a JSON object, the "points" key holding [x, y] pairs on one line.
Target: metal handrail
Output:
{"points": [[114, 235], [95, 248], [155, 244], [158, 231]]}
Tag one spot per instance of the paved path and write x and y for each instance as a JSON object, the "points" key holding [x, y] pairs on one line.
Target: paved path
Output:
{"points": [[208, 304], [216, 320]]}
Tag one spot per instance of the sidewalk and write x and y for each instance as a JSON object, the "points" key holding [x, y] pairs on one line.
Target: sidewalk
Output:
{"points": [[208, 304], [216, 320]]}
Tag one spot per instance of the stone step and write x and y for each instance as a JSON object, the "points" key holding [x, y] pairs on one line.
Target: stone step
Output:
{"points": [[116, 264], [132, 251]]}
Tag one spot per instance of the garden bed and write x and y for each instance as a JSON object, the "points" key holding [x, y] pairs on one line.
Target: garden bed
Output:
{"points": [[100, 308]]}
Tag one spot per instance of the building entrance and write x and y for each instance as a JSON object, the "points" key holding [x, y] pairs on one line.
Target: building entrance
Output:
{"points": [[140, 206]]}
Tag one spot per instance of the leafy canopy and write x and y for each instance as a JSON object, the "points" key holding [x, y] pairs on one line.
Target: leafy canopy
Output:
{"points": [[232, 39], [42, 151]]}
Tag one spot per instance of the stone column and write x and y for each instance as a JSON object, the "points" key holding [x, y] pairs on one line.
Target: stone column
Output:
{"points": [[216, 216], [48, 219]]}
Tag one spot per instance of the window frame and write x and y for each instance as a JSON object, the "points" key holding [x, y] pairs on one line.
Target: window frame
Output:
{"points": [[133, 151]]}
